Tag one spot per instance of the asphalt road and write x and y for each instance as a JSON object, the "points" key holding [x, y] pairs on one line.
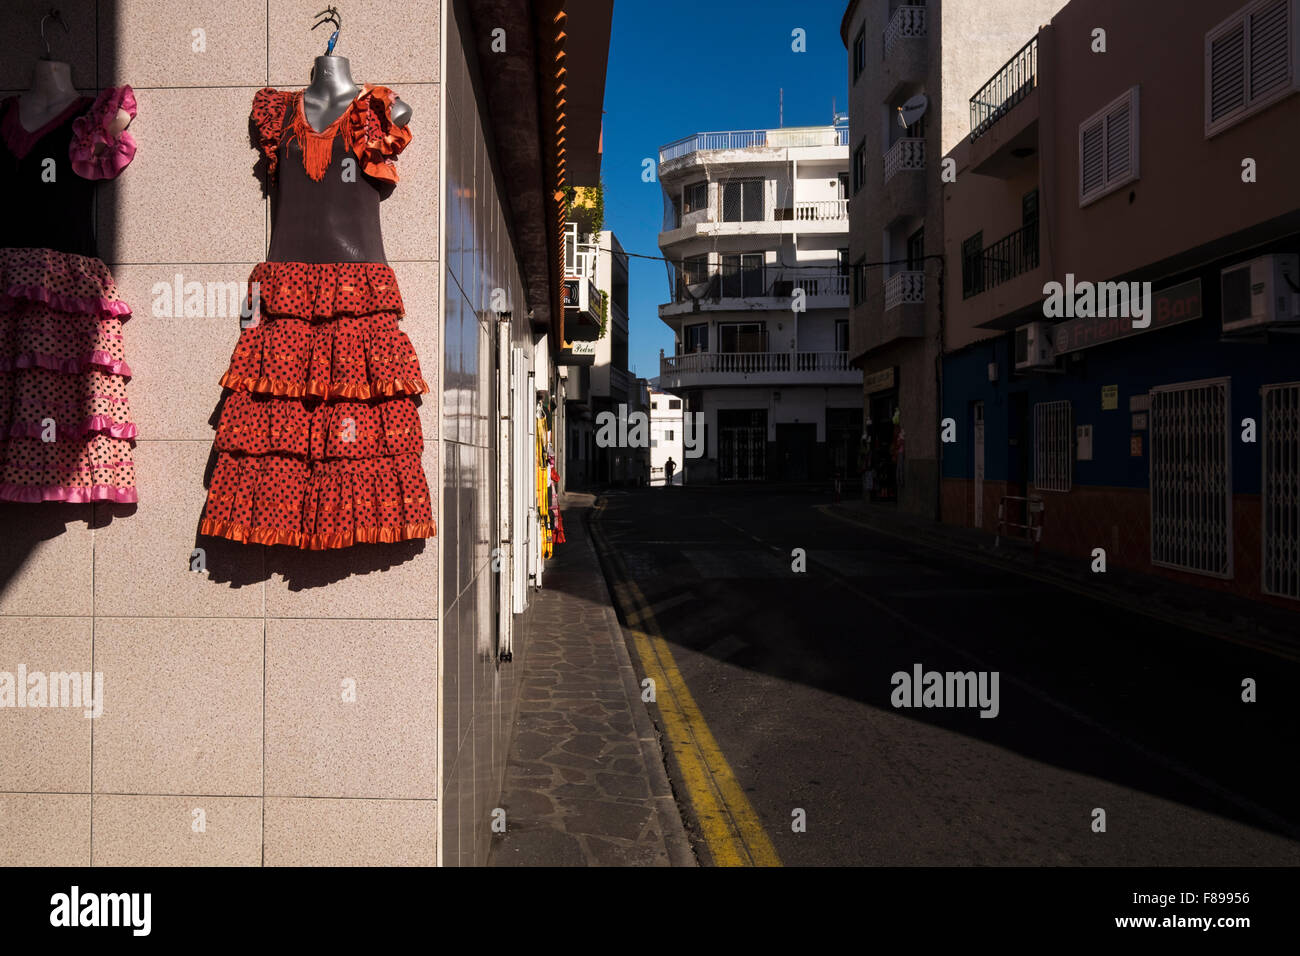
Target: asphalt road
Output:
{"points": [[1098, 707]]}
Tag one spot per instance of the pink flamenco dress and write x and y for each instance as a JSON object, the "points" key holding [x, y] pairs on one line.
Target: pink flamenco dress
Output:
{"points": [[65, 425]]}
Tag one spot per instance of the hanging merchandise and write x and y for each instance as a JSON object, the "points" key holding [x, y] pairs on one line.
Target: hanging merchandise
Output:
{"points": [[319, 442], [554, 486], [543, 487], [65, 425]]}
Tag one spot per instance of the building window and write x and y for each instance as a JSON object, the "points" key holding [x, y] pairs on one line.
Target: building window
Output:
{"points": [[1053, 446], [1249, 62], [668, 434], [675, 403], [742, 337], [1191, 477], [1280, 506], [742, 200], [916, 250], [655, 404], [742, 275], [696, 197], [860, 166], [695, 338], [972, 265], [859, 281], [1108, 148], [842, 262], [841, 335], [1029, 207], [859, 54]]}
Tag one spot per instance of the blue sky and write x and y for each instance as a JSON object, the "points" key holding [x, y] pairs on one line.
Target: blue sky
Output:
{"points": [[678, 67]]}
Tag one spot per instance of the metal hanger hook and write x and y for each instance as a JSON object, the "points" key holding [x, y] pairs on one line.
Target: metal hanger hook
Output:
{"points": [[57, 17], [330, 15]]}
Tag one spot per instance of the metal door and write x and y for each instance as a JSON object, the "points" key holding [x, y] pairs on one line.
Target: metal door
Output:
{"points": [[1280, 454], [979, 464], [1191, 477]]}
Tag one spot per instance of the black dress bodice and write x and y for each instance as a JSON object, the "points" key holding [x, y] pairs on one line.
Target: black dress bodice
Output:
{"points": [[45, 205], [333, 220]]}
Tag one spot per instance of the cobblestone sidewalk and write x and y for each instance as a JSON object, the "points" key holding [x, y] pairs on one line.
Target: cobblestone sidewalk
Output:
{"points": [[585, 780]]}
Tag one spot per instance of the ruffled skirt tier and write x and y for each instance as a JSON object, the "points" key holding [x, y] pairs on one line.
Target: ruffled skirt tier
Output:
{"points": [[319, 440], [65, 423]]}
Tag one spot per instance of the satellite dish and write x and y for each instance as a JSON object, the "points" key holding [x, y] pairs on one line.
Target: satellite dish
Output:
{"points": [[913, 110]]}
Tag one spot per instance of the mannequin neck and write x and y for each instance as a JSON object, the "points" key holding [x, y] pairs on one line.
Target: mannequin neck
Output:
{"points": [[51, 84], [332, 81]]}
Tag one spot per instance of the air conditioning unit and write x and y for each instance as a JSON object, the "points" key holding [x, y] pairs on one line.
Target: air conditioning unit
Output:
{"points": [[1261, 292], [1034, 346]]}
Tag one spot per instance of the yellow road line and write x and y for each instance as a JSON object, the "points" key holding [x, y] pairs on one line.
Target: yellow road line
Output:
{"points": [[727, 820], [1070, 586]]}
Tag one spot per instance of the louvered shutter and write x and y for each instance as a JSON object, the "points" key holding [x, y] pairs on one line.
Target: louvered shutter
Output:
{"points": [[1092, 168], [1119, 140], [1270, 66], [1228, 72]]}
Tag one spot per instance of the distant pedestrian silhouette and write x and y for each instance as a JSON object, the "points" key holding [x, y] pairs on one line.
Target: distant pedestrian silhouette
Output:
{"points": [[669, 467]]}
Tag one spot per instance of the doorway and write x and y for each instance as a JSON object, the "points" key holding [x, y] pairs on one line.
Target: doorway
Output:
{"points": [[742, 444], [1018, 444], [795, 445]]}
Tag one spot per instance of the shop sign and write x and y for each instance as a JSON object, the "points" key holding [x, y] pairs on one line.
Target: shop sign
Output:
{"points": [[1109, 398], [878, 381], [1180, 303]]}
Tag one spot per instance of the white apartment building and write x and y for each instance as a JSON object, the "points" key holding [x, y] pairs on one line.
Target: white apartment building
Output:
{"points": [[756, 234], [666, 422]]}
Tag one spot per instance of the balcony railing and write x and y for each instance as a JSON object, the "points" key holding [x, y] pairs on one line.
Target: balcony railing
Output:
{"points": [[754, 363], [1007, 258], [907, 153], [823, 210], [762, 282], [904, 288], [1009, 86], [908, 22], [751, 138]]}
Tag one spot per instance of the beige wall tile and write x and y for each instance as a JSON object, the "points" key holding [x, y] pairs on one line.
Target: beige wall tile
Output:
{"points": [[44, 829], [183, 711], [190, 195], [45, 748], [387, 44], [178, 360], [166, 831], [302, 832], [382, 744], [20, 44], [410, 214], [45, 555], [140, 47], [142, 563]]}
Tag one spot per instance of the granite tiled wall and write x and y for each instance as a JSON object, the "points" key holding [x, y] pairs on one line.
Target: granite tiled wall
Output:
{"points": [[225, 736]]}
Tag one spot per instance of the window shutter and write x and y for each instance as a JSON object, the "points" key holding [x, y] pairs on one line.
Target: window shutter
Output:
{"points": [[1228, 72], [1119, 141], [1269, 54], [1092, 170]]}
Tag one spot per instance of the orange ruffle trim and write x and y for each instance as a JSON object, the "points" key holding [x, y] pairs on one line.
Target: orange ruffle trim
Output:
{"points": [[385, 388], [387, 534]]}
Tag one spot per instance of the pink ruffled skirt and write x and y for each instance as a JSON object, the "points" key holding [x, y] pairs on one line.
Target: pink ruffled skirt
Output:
{"points": [[65, 426]]}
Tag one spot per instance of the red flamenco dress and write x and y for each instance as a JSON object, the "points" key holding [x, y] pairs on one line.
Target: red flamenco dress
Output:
{"points": [[65, 425], [319, 442]]}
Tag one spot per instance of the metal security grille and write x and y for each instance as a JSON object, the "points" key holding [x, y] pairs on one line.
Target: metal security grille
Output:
{"points": [[1281, 499], [1053, 446], [1191, 478]]}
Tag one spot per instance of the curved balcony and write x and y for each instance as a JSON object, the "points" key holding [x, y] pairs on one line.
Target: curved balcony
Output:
{"points": [[702, 369]]}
